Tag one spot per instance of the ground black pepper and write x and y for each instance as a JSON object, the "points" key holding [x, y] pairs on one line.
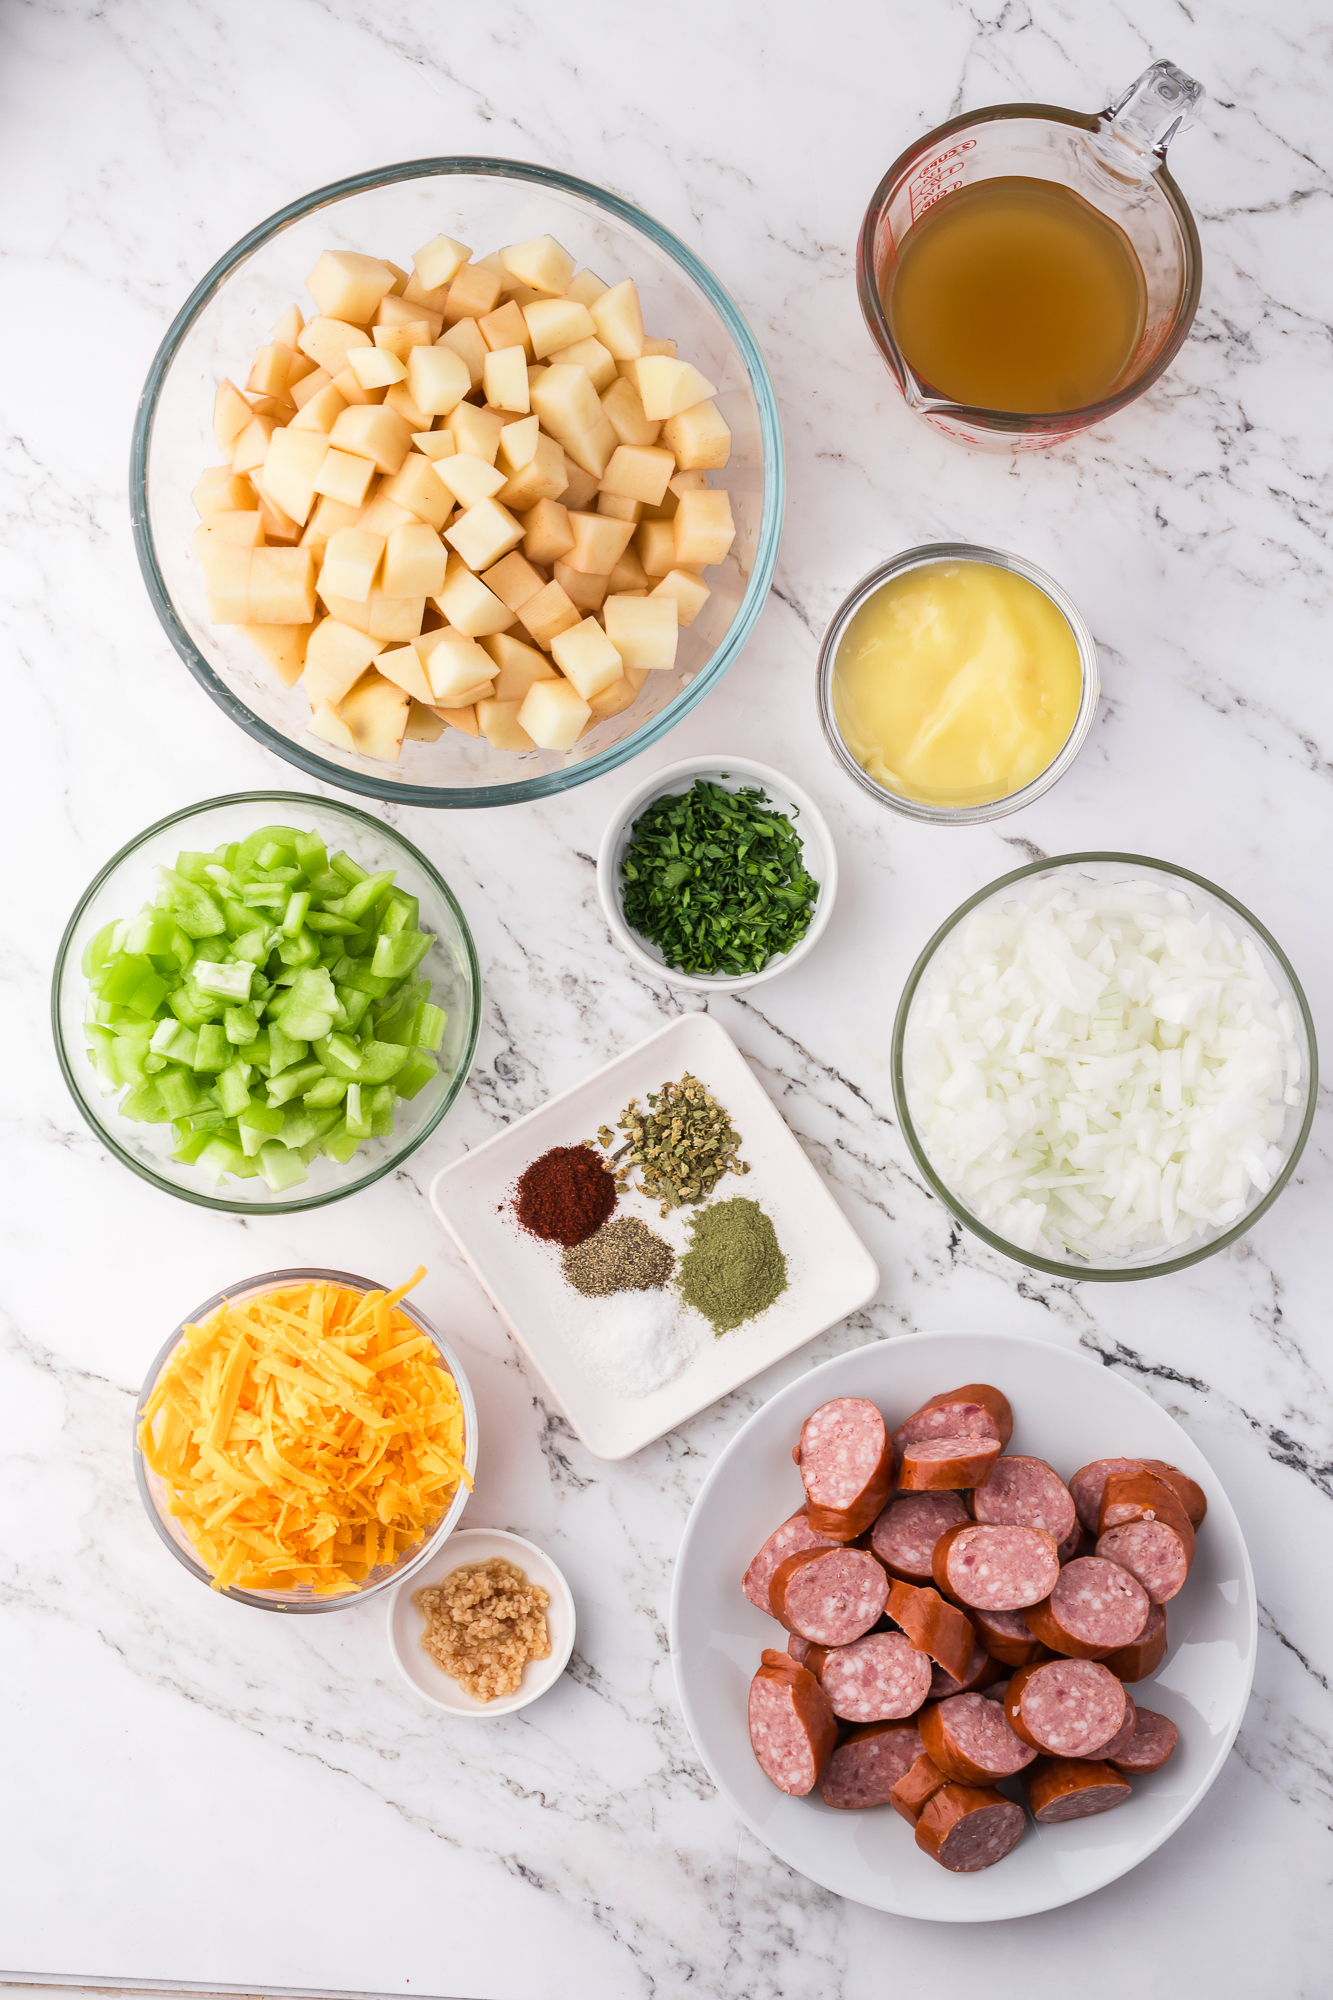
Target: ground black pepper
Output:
{"points": [[623, 1256], [565, 1195]]}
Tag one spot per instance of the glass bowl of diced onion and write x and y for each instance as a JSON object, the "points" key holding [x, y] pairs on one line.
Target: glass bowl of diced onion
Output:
{"points": [[170, 1504], [1105, 1066], [389, 213]]}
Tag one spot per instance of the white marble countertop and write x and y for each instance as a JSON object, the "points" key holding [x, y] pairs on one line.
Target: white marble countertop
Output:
{"points": [[197, 1794]]}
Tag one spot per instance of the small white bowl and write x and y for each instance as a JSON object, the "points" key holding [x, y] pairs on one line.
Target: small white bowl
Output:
{"points": [[406, 1625], [732, 773]]}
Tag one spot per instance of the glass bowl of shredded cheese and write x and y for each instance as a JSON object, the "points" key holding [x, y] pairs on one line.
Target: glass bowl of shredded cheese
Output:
{"points": [[1105, 1066], [304, 1440]]}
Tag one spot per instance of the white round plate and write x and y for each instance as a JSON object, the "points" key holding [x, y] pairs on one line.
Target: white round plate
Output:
{"points": [[1066, 1409], [406, 1624]]}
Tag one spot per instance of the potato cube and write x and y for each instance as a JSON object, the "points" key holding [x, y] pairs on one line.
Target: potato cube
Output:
{"points": [[227, 582], [544, 477], [484, 533], [699, 437], [541, 262], [336, 656], [670, 387], [457, 718], [514, 580], [518, 441], [469, 606], [477, 431], [589, 354], [352, 564], [327, 342], [465, 340], [468, 478], [375, 367], [593, 451], [455, 664], [416, 487], [499, 724], [505, 376], [402, 665], [656, 544], [424, 725], [614, 699], [586, 593], [566, 401], [376, 713], [352, 393], [414, 562], [703, 529], [236, 530], [328, 725], [309, 386], [554, 323], [519, 666], [553, 713], [438, 262], [400, 340], [690, 592], [585, 286], [346, 285], [643, 630], [623, 408], [599, 543], [291, 467], [619, 508], [399, 400], [618, 318], [639, 472], [455, 702], [438, 378], [471, 295], [269, 369], [280, 647], [282, 587], [321, 413], [547, 534], [221, 491], [328, 516], [373, 433], [399, 312], [580, 488], [395, 619], [629, 573], [231, 414], [345, 609], [278, 524], [382, 516], [547, 614], [506, 327], [434, 444], [288, 326], [587, 657], [251, 447]]}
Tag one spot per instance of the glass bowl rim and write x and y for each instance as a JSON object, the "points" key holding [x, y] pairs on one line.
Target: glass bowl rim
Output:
{"points": [[1090, 682], [463, 797], [1073, 1271], [1019, 421], [108, 1138], [301, 1608]]}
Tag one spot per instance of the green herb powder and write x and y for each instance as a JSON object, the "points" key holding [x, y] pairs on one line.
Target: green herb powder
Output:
{"points": [[733, 1269]]}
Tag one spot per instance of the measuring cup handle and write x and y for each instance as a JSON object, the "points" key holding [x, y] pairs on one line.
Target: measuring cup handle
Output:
{"points": [[1157, 105]]}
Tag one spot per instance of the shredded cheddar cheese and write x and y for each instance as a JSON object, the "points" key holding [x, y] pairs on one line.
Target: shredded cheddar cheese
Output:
{"points": [[306, 1436]]}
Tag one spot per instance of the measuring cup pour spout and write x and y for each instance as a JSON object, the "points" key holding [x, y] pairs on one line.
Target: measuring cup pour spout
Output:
{"points": [[1145, 118]]}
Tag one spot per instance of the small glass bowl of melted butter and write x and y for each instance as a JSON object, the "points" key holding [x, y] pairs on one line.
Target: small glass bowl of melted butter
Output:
{"points": [[956, 683]]}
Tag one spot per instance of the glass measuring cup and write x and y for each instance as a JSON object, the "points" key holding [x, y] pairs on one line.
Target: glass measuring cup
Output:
{"points": [[1115, 160]]}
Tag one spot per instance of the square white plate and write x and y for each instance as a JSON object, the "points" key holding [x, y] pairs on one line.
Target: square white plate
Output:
{"points": [[830, 1272]]}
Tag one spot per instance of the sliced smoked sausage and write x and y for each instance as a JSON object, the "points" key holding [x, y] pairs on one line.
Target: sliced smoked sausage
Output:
{"points": [[971, 1741], [996, 1569], [1094, 1608], [867, 1765], [1025, 1493], [830, 1596], [1123, 1737], [905, 1534], [1068, 1708], [1144, 1496], [846, 1467], [1145, 1655], [1152, 1551], [1007, 1637], [1149, 1747], [792, 1731], [963, 1459], [879, 1678], [933, 1627], [916, 1788], [964, 1828], [1061, 1788], [794, 1535], [982, 1672], [1087, 1485], [992, 1400], [1188, 1491]]}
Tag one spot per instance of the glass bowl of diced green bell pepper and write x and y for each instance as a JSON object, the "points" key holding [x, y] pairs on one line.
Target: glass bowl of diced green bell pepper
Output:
{"points": [[266, 1002]]}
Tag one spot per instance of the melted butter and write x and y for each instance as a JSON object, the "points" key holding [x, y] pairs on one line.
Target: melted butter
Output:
{"points": [[956, 684]]}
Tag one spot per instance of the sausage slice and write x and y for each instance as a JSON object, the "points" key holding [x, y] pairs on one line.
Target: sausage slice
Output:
{"points": [[792, 1731], [1094, 1608], [982, 1672], [879, 1678], [846, 1467], [1135, 1662], [1149, 1747], [971, 1741], [830, 1596], [1153, 1552], [933, 1627], [963, 1459], [992, 1400], [905, 1534], [996, 1569], [1025, 1493], [794, 1535], [1007, 1637], [916, 1788], [965, 1829], [1188, 1491], [1087, 1486], [868, 1764], [1061, 1788], [1068, 1708]]}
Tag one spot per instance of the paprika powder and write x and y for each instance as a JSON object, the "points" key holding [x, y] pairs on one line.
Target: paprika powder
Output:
{"points": [[564, 1196]]}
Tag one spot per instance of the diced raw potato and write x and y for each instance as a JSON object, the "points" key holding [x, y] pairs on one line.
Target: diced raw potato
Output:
{"points": [[346, 285], [393, 311], [612, 700], [402, 665], [518, 441], [623, 406], [309, 386], [227, 581], [548, 613], [395, 619], [438, 378], [544, 477], [618, 317], [221, 491], [328, 725], [656, 544], [566, 401], [505, 377], [231, 414], [471, 295], [238, 530], [352, 564], [513, 579], [373, 433], [336, 656], [553, 713], [288, 326], [424, 725], [587, 657], [268, 370], [399, 400], [619, 508], [438, 262], [594, 450], [506, 327], [282, 587], [669, 387], [541, 262], [280, 408], [639, 472], [278, 524], [643, 630], [352, 393], [699, 437], [328, 517], [477, 431], [434, 444], [376, 713], [499, 724], [416, 487], [585, 286], [345, 609], [434, 298], [399, 276], [519, 666], [291, 468], [465, 339], [703, 529], [651, 345], [547, 534], [375, 367], [599, 543], [383, 515], [456, 664], [251, 447], [695, 480], [477, 692], [690, 592], [551, 324], [468, 478], [414, 562], [580, 487], [281, 647], [400, 340], [585, 593], [484, 533], [469, 606], [629, 573], [589, 354], [321, 413], [327, 341]]}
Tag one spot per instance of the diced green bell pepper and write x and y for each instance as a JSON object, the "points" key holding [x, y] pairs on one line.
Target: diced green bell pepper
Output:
{"points": [[299, 950], [398, 957], [177, 1091], [378, 1061], [401, 913], [341, 1143], [358, 1121], [301, 1125], [240, 1025], [280, 1169], [343, 865], [381, 1111], [329, 1090], [213, 1050], [416, 1073], [99, 948], [365, 894], [430, 1032], [293, 1082], [233, 1088], [309, 1007], [228, 981], [297, 904], [197, 910]]}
